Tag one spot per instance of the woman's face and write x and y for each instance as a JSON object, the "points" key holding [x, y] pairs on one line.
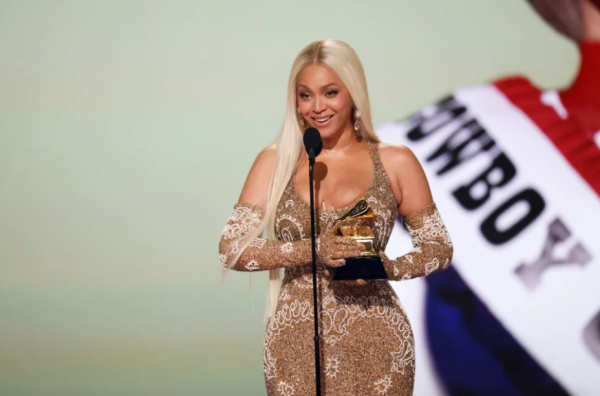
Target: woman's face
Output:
{"points": [[323, 100]]}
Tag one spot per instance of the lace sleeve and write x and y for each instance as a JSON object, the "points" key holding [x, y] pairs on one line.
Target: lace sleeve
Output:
{"points": [[260, 254], [432, 246]]}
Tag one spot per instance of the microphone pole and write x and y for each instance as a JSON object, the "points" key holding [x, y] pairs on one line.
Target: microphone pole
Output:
{"points": [[314, 272], [313, 145]]}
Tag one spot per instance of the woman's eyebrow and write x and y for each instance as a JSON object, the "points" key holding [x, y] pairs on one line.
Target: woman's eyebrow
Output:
{"points": [[323, 87]]}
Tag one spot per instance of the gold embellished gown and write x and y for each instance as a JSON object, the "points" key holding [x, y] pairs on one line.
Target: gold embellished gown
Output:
{"points": [[366, 341]]}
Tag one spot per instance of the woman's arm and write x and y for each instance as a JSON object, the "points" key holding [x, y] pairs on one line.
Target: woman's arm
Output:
{"points": [[432, 246], [262, 254]]}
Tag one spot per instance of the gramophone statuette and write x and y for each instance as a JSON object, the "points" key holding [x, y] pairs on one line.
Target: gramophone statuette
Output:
{"points": [[356, 224]]}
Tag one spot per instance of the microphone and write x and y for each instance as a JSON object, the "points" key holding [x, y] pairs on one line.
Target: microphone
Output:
{"points": [[313, 145], [312, 142]]}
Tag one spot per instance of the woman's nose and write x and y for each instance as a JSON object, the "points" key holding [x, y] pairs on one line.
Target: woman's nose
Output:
{"points": [[319, 105]]}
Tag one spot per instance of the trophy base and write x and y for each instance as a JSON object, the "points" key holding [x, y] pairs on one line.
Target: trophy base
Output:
{"points": [[366, 267]]}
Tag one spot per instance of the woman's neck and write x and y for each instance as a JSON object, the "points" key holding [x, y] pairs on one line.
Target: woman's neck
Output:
{"points": [[340, 143], [582, 98]]}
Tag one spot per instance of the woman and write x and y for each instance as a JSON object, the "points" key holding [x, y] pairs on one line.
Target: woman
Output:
{"points": [[366, 339]]}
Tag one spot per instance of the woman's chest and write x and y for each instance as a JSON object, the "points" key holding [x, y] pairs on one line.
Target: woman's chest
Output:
{"points": [[292, 220], [336, 183]]}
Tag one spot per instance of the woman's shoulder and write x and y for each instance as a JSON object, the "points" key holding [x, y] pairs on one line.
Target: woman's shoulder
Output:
{"points": [[266, 157], [395, 156], [257, 183], [407, 176], [401, 165]]}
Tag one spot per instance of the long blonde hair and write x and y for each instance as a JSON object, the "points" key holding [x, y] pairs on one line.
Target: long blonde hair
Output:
{"points": [[345, 62]]}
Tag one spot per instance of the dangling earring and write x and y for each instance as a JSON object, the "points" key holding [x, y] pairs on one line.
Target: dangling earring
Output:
{"points": [[356, 120]]}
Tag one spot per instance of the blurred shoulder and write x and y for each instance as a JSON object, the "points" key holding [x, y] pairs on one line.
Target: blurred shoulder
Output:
{"points": [[265, 158], [407, 177], [396, 156], [257, 183]]}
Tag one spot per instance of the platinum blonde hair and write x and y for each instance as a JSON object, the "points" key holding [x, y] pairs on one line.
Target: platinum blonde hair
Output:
{"points": [[340, 57]]}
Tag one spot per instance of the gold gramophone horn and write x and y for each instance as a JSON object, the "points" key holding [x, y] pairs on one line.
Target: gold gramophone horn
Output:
{"points": [[361, 210], [349, 225]]}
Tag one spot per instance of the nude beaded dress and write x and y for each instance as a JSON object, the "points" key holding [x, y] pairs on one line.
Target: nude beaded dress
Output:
{"points": [[366, 339]]}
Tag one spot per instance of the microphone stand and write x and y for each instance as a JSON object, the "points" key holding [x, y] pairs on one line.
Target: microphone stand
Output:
{"points": [[311, 163]]}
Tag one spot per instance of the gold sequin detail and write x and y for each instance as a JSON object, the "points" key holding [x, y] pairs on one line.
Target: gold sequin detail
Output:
{"points": [[366, 343]]}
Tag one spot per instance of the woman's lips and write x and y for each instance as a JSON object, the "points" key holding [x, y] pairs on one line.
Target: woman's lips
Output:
{"points": [[323, 121]]}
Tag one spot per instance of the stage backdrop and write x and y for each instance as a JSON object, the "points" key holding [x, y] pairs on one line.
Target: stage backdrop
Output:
{"points": [[127, 129]]}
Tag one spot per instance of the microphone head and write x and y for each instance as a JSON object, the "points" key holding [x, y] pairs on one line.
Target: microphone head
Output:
{"points": [[312, 140]]}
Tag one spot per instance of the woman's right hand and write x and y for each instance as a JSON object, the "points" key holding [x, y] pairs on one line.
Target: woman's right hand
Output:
{"points": [[332, 250]]}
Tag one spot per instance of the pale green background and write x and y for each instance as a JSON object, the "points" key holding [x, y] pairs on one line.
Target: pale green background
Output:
{"points": [[126, 131]]}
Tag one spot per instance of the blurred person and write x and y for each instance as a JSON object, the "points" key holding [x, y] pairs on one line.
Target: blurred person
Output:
{"points": [[367, 343], [496, 148]]}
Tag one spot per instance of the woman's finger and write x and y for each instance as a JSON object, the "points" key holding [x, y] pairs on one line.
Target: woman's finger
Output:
{"points": [[337, 262], [356, 246], [351, 245], [345, 253], [338, 255]]}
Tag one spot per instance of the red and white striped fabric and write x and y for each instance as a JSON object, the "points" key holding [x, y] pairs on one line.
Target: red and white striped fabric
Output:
{"points": [[518, 183]]}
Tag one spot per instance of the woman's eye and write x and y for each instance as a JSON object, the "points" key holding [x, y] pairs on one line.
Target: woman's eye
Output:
{"points": [[331, 93], [303, 95]]}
